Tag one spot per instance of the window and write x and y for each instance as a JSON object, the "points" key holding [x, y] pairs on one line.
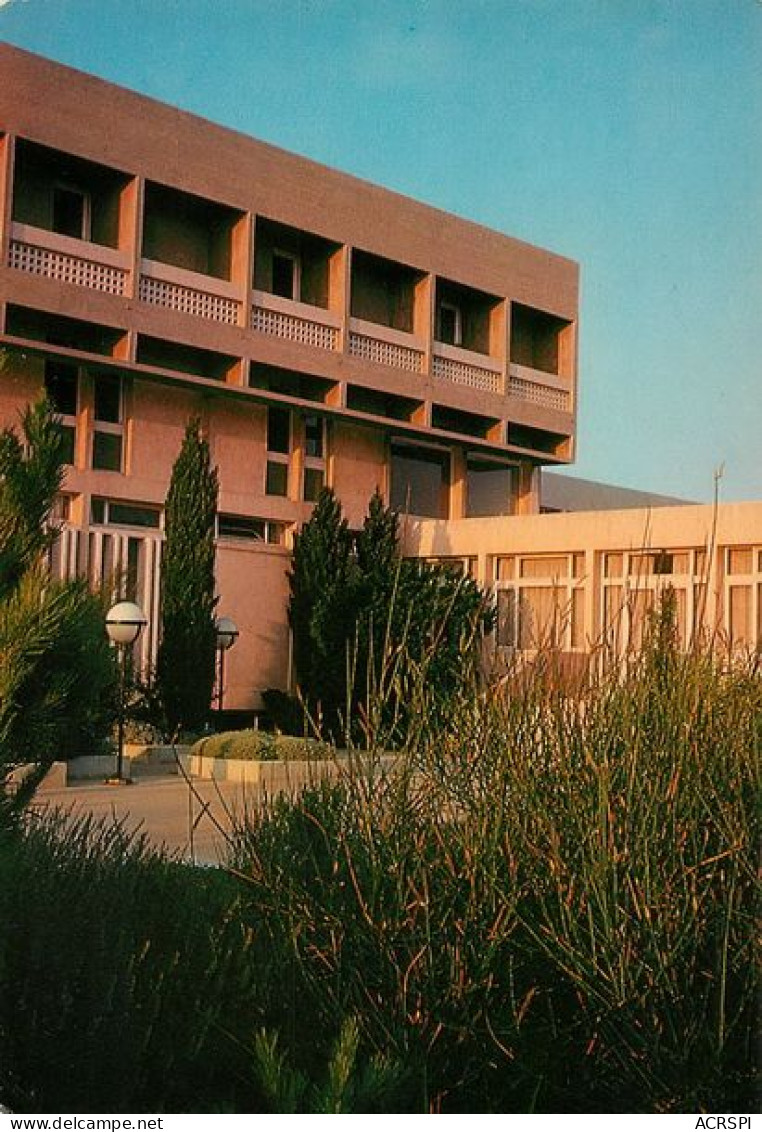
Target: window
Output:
{"points": [[313, 437], [286, 281], [314, 479], [278, 451], [491, 488], [109, 428], [62, 387], [250, 529], [420, 481], [314, 458], [540, 602], [449, 324], [71, 212], [117, 513]]}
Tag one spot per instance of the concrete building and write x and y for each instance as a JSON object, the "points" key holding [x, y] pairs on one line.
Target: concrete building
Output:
{"points": [[154, 266]]}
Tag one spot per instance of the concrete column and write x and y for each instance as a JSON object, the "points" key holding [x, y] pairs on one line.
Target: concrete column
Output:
{"points": [[7, 154]]}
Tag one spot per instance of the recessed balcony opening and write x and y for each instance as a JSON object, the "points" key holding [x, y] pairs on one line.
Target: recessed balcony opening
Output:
{"points": [[384, 292], [188, 232], [297, 265], [540, 341], [289, 383], [190, 360], [491, 487], [468, 424], [539, 440], [420, 481], [56, 329], [465, 318], [60, 193], [379, 404]]}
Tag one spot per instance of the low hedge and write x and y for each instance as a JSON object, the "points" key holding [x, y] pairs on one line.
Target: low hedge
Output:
{"points": [[263, 746]]}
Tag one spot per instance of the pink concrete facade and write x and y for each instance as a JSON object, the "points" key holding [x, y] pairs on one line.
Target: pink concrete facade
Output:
{"points": [[155, 266]]}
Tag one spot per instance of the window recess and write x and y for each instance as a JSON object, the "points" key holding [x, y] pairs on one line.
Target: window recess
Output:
{"points": [[251, 529], [278, 451], [108, 427], [62, 390]]}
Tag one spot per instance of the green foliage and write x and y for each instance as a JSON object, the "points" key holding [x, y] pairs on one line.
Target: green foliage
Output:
{"points": [[546, 904], [286, 712], [57, 676], [321, 618], [31, 474], [366, 624], [125, 979], [347, 1087], [260, 745], [186, 658], [549, 904]]}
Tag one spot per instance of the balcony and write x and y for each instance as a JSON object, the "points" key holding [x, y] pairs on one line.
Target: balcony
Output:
{"points": [[539, 388], [68, 260], [387, 347], [295, 321], [465, 367], [189, 292]]}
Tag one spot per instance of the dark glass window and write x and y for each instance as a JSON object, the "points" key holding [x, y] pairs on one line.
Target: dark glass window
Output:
{"points": [[490, 488], [113, 511], [108, 399], [107, 452], [313, 484], [69, 435], [276, 479], [70, 213], [239, 526], [61, 381], [284, 276], [313, 436], [420, 480], [449, 325], [278, 430]]}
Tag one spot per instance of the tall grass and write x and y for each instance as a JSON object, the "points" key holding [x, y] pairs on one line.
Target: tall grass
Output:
{"points": [[122, 975], [548, 905]]}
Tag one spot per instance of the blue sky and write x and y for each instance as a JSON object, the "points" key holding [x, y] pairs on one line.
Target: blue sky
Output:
{"points": [[626, 134]]}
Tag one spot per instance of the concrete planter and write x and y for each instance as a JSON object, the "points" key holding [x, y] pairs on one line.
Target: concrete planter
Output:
{"points": [[55, 779], [140, 761], [276, 776]]}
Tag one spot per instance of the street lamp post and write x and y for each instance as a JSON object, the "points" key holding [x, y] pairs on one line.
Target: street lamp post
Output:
{"points": [[124, 622], [227, 635]]}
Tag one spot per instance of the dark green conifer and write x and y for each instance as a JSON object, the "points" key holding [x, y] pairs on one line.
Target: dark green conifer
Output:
{"points": [[186, 660]]}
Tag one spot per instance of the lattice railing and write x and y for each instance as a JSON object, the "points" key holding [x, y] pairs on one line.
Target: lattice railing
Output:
{"points": [[465, 373], [385, 353], [67, 268], [188, 300], [294, 328], [538, 394]]}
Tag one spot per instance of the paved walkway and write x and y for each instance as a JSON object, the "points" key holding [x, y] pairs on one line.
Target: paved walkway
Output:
{"points": [[191, 820]]}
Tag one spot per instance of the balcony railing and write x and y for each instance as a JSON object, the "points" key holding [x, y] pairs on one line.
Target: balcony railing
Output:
{"points": [[67, 260], [539, 388], [295, 322], [464, 367], [189, 292], [387, 347]]}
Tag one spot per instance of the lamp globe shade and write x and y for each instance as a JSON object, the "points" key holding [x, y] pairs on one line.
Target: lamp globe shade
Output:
{"points": [[124, 622], [227, 632]]}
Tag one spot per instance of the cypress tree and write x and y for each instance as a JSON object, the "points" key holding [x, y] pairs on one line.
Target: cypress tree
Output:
{"points": [[186, 660], [319, 613]]}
